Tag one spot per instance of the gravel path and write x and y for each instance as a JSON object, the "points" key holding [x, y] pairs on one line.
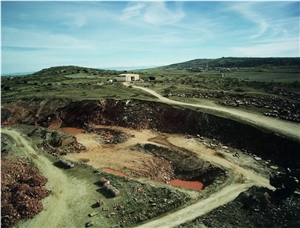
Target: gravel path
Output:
{"points": [[57, 182], [276, 125]]}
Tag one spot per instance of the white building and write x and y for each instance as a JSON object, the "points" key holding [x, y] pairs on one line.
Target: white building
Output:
{"points": [[127, 77]]}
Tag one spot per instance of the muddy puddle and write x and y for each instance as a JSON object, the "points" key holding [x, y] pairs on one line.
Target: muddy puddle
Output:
{"points": [[195, 185], [71, 130]]}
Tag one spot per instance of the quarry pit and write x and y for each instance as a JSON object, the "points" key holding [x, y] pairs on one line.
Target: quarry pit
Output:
{"points": [[188, 155]]}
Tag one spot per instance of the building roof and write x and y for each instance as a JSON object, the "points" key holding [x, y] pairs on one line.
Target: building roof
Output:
{"points": [[125, 75]]}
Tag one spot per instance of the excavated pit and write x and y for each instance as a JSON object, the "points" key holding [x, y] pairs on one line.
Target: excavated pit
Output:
{"points": [[187, 167], [136, 114]]}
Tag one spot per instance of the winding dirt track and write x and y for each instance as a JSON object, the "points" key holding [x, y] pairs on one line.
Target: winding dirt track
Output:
{"points": [[56, 178], [59, 181], [189, 213], [230, 192], [280, 126], [244, 178]]}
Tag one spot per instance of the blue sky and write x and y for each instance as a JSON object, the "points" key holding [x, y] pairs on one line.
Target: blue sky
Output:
{"points": [[37, 35]]}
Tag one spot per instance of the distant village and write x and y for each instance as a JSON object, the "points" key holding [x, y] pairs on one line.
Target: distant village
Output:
{"points": [[210, 69]]}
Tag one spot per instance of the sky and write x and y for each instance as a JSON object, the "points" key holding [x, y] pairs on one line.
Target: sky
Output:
{"points": [[138, 34]]}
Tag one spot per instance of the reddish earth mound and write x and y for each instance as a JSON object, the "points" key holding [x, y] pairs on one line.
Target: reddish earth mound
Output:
{"points": [[22, 188]]}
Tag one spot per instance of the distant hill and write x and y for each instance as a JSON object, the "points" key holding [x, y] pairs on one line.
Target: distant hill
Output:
{"points": [[69, 70], [235, 62], [226, 62]]}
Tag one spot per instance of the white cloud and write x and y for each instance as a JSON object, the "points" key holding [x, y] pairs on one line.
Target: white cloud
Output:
{"points": [[249, 10], [132, 11], [158, 14], [270, 20], [154, 13], [282, 48], [32, 39]]}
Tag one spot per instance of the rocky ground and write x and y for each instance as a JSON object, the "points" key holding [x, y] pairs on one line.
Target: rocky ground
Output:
{"points": [[151, 115], [251, 207], [257, 207], [22, 189], [137, 201]]}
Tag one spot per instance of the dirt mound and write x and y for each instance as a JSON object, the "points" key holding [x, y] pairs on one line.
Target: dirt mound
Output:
{"points": [[22, 188], [111, 136]]}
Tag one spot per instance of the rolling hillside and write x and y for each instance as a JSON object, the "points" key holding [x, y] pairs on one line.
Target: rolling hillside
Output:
{"points": [[235, 62]]}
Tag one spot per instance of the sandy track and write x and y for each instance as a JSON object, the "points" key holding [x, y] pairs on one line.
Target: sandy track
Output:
{"points": [[230, 192], [202, 207], [209, 155], [277, 125], [243, 177], [227, 194], [57, 182]]}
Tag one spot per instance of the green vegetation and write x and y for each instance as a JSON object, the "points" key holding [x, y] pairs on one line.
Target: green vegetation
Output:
{"points": [[235, 62], [196, 81], [72, 82]]}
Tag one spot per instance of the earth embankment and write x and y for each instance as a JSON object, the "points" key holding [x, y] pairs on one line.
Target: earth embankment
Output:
{"points": [[158, 116]]}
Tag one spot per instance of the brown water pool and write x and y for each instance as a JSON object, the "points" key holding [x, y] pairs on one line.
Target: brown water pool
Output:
{"points": [[195, 185]]}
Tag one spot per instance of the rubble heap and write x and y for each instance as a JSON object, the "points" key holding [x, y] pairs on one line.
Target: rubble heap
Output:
{"points": [[22, 190], [106, 184], [66, 163]]}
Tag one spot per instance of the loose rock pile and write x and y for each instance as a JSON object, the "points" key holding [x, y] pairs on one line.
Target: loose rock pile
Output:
{"points": [[111, 136], [275, 106], [22, 188]]}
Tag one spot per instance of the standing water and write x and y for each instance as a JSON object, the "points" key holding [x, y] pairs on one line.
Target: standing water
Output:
{"points": [[195, 185]]}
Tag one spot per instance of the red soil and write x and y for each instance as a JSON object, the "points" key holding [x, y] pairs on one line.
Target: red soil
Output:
{"points": [[196, 185], [119, 173]]}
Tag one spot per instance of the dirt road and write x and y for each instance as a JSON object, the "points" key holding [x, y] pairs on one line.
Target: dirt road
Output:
{"points": [[244, 177], [247, 176], [57, 182], [189, 213], [234, 165], [56, 212], [230, 192], [276, 125]]}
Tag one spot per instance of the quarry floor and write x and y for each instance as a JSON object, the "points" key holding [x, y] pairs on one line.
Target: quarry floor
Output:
{"points": [[119, 157], [244, 172], [243, 169]]}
